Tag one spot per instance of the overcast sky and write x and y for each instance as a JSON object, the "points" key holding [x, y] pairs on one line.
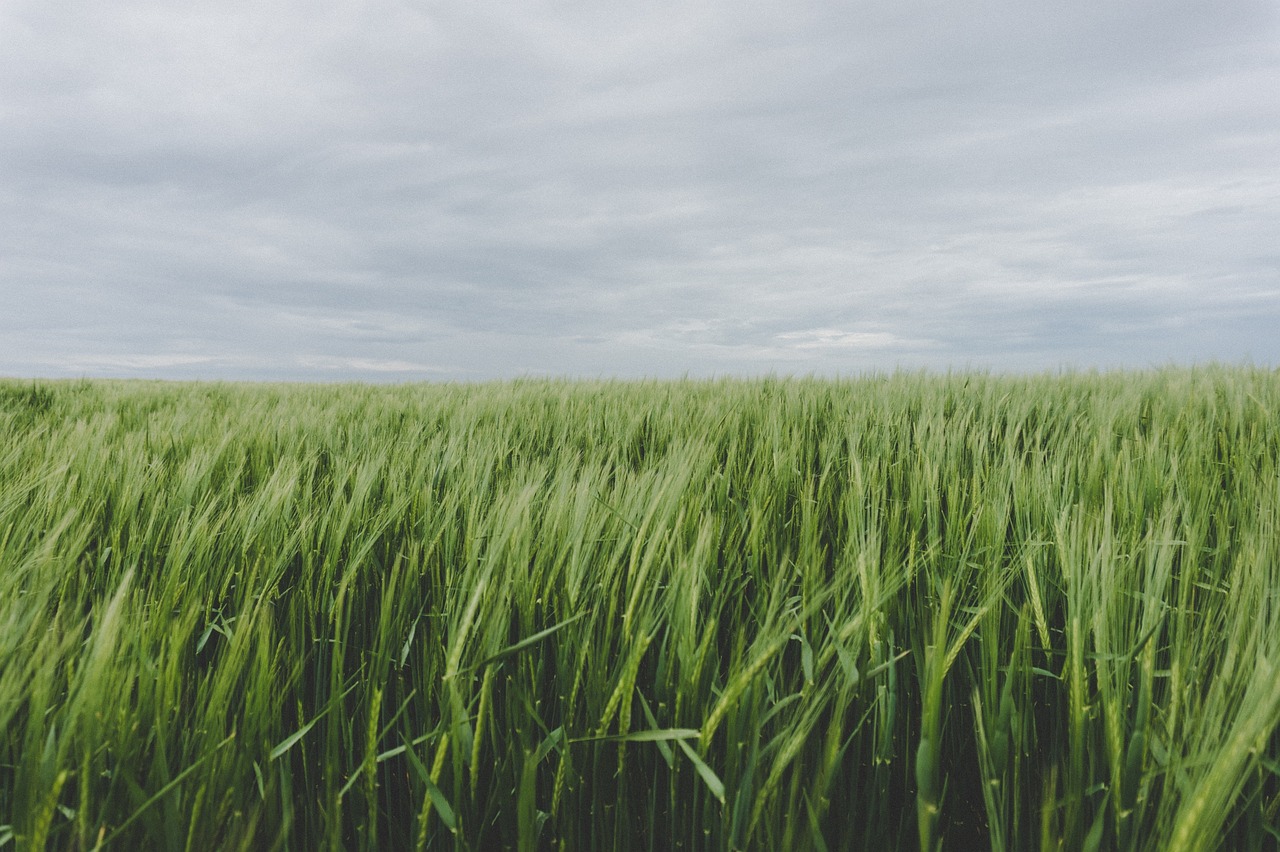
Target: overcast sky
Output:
{"points": [[397, 191]]}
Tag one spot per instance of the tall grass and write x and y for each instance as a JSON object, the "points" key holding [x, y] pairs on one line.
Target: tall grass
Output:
{"points": [[895, 613]]}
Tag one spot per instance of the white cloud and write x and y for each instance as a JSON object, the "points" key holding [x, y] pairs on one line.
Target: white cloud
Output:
{"points": [[92, 365], [838, 339], [366, 365]]}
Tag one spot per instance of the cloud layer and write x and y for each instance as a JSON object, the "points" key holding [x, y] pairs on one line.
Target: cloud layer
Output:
{"points": [[395, 191]]}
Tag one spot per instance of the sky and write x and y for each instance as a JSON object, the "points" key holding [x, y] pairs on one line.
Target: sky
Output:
{"points": [[384, 191]]}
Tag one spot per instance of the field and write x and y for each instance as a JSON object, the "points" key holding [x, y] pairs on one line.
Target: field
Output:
{"points": [[894, 612]]}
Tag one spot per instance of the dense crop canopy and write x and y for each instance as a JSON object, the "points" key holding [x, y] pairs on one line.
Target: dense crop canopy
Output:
{"points": [[886, 613]]}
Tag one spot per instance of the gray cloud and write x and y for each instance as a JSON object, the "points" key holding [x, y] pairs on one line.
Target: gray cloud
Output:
{"points": [[417, 190]]}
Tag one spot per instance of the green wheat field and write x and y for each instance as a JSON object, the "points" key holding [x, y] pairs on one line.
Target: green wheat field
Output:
{"points": [[904, 611]]}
